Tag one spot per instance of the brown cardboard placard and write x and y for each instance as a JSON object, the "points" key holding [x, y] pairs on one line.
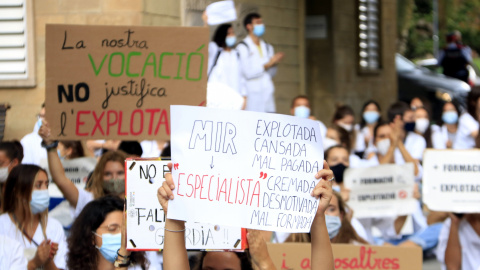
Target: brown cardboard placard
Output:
{"points": [[118, 82], [296, 256]]}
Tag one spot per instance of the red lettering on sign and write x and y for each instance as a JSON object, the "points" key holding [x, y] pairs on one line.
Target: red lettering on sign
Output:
{"points": [[98, 123], [178, 184], [80, 123]]}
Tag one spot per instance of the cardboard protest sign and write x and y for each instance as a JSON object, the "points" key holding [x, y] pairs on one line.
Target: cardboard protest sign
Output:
{"points": [[248, 169], [451, 180], [381, 191], [146, 219], [77, 170], [296, 256], [117, 82]]}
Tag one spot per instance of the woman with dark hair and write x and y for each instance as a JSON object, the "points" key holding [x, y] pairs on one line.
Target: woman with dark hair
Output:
{"points": [[107, 178], [370, 117], [444, 135], [345, 118], [25, 218], [422, 125], [11, 155], [468, 123], [97, 238], [175, 254], [70, 149], [340, 230], [224, 60]]}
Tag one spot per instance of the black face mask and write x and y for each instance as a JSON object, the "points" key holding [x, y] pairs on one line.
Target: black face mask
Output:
{"points": [[409, 126], [338, 171]]}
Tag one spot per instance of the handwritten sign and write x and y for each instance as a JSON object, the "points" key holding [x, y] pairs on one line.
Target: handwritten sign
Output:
{"points": [[381, 191], [248, 169], [296, 256], [77, 170], [451, 180], [146, 219], [117, 82]]}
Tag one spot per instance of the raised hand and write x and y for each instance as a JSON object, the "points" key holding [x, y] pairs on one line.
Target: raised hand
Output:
{"points": [[164, 193]]}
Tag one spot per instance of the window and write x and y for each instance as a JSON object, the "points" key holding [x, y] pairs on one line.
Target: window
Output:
{"points": [[369, 50], [16, 44]]}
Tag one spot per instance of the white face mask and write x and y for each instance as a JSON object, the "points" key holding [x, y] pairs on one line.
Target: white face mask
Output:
{"points": [[346, 126], [383, 146], [3, 174], [421, 125]]}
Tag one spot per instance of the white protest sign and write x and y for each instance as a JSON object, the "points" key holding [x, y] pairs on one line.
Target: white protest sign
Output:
{"points": [[77, 170], [146, 219], [451, 180], [247, 169], [381, 191], [221, 12]]}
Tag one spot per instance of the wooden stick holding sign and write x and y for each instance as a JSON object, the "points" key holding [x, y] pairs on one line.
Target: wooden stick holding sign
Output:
{"points": [[248, 169], [146, 219], [117, 82]]}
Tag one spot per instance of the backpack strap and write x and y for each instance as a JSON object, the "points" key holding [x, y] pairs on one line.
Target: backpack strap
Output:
{"points": [[214, 63], [246, 45]]}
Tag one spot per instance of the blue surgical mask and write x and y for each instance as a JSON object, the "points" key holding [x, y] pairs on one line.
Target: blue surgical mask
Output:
{"points": [[230, 41], [40, 201], [450, 117], [302, 111], [371, 116], [258, 30], [37, 126], [333, 225], [110, 245], [60, 155]]}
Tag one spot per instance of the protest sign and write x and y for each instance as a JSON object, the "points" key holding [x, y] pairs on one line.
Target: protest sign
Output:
{"points": [[221, 12], [381, 191], [146, 219], [296, 256], [77, 170], [117, 82], [451, 180], [248, 169]]}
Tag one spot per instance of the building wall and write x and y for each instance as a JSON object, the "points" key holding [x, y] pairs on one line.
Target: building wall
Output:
{"points": [[283, 19], [334, 60]]}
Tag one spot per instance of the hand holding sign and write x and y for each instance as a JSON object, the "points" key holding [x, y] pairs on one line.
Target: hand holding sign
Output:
{"points": [[258, 250], [164, 192], [323, 189]]}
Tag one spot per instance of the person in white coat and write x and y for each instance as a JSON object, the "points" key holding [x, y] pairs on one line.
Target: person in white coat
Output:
{"points": [[224, 60], [258, 63]]}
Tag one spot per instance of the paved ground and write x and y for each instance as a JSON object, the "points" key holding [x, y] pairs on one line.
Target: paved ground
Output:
{"points": [[431, 264]]}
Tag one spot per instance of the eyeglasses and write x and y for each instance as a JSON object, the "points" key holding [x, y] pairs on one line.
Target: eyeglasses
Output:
{"points": [[113, 228]]}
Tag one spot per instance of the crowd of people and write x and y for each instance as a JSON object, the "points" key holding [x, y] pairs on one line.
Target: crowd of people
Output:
{"points": [[95, 239]]}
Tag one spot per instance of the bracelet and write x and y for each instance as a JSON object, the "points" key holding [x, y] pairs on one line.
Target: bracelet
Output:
{"points": [[49, 146], [119, 255], [175, 231]]}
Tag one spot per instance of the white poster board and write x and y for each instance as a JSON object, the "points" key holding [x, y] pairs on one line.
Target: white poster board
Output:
{"points": [[451, 180], [77, 170], [241, 168], [381, 191], [146, 219]]}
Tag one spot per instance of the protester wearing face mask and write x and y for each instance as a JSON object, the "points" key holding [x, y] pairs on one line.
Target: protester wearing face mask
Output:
{"points": [[444, 135], [11, 155], [26, 220], [107, 178], [340, 230], [97, 239], [67, 150], [33, 153], [301, 108], [422, 125], [224, 60], [344, 117], [370, 117], [468, 123], [258, 64]]}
